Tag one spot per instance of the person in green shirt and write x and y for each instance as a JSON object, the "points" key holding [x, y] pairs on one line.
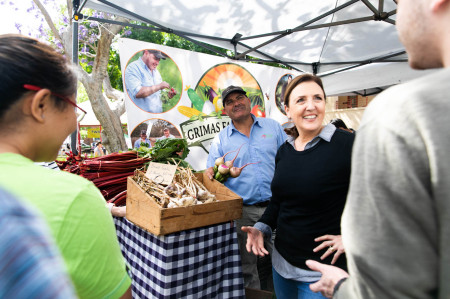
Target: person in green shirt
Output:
{"points": [[37, 113]]}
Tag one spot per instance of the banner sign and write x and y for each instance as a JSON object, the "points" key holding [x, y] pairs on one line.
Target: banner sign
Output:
{"points": [[93, 132], [172, 92]]}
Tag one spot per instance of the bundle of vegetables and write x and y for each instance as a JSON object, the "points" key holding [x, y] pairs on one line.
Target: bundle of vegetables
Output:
{"points": [[167, 94], [109, 173], [185, 189], [169, 151], [223, 170], [71, 164]]}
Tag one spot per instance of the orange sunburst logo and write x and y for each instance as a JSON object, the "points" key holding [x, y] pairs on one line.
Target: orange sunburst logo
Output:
{"points": [[224, 75]]}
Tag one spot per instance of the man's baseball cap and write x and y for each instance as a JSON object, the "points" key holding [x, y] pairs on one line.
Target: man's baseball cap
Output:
{"points": [[144, 133], [158, 54], [230, 89]]}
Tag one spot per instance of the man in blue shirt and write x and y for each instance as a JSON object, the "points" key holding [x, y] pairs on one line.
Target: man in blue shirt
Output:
{"points": [[260, 139], [142, 139], [166, 134], [144, 83]]}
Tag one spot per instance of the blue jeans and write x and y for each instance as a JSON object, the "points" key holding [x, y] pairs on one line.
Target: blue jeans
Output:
{"points": [[291, 289]]}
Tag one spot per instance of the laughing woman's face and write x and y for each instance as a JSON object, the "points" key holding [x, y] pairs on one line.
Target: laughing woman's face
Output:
{"points": [[307, 107]]}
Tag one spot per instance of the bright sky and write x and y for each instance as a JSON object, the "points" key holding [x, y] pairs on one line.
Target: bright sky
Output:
{"points": [[8, 17], [16, 13]]}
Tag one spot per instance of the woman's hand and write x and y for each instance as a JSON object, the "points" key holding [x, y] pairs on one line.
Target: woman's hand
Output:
{"points": [[332, 244], [255, 241], [119, 211], [331, 275]]}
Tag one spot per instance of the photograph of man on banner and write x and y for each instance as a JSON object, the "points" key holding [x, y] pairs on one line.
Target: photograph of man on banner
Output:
{"points": [[152, 80], [152, 130]]}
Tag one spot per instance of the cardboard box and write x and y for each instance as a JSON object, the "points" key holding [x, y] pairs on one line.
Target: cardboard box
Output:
{"points": [[144, 212]]}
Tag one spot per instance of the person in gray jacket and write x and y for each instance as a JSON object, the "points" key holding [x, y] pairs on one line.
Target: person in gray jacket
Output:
{"points": [[396, 223]]}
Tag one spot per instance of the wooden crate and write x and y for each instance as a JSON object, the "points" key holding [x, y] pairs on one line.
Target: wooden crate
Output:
{"points": [[144, 212]]}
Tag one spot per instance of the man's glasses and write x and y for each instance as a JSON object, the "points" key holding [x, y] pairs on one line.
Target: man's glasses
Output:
{"points": [[65, 99]]}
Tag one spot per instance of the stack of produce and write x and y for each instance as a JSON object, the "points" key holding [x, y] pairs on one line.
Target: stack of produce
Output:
{"points": [[185, 190], [109, 173], [71, 164], [169, 151]]}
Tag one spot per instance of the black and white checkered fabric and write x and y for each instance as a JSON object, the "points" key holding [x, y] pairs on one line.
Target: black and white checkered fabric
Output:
{"points": [[196, 263]]}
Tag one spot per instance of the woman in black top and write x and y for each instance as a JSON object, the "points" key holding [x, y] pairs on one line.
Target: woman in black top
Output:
{"points": [[309, 188]]}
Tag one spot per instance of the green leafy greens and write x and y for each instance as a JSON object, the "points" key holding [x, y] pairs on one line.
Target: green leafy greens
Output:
{"points": [[168, 151]]}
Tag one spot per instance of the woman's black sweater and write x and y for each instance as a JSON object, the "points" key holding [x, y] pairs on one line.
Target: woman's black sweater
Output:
{"points": [[309, 190]]}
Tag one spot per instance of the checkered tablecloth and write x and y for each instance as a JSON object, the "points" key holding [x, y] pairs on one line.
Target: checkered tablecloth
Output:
{"points": [[196, 263]]}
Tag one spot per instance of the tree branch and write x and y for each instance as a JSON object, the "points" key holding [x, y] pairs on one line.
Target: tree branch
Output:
{"points": [[49, 21], [69, 10], [110, 92], [83, 77]]}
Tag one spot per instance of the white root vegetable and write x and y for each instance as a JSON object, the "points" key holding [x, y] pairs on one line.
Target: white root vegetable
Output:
{"points": [[230, 163], [223, 169], [202, 194], [185, 190], [221, 160], [236, 171], [209, 200]]}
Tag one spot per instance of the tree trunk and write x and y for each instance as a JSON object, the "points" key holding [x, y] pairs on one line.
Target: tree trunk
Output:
{"points": [[112, 133]]}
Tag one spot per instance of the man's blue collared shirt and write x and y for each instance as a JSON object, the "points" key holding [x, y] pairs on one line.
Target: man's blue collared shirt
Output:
{"points": [[138, 75], [137, 143], [266, 136]]}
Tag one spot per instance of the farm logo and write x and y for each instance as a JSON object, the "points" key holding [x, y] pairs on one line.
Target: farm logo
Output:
{"points": [[202, 132]]}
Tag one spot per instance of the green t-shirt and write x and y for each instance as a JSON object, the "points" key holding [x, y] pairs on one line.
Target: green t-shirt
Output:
{"points": [[79, 220]]}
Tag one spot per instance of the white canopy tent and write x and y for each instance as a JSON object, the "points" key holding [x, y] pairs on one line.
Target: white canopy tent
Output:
{"points": [[352, 44]]}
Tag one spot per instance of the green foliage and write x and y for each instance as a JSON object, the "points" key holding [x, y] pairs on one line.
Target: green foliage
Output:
{"points": [[166, 151], [169, 39], [81, 94], [114, 71], [83, 134], [171, 74], [146, 35]]}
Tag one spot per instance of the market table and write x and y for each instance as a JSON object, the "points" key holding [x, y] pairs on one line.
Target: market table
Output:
{"points": [[196, 263]]}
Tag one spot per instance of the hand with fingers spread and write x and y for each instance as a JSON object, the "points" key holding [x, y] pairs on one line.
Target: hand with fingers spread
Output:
{"points": [[331, 276], [332, 244], [255, 241]]}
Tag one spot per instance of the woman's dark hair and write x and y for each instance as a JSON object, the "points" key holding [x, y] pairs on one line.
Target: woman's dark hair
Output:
{"points": [[297, 81], [338, 123], [24, 60]]}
